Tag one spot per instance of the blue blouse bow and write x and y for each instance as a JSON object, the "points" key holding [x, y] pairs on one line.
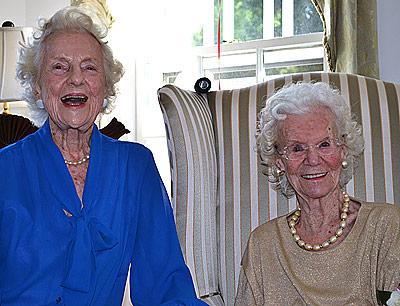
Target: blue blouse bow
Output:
{"points": [[88, 238]]}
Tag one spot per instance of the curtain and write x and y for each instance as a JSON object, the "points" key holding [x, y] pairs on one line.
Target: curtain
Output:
{"points": [[350, 35]]}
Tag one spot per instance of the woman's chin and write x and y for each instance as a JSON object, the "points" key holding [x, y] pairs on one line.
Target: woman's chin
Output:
{"points": [[76, 124], [316, 188], [81, 126], [318, 193]]}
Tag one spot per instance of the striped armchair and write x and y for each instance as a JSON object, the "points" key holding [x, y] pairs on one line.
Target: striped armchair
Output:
{"points": [[219, 193]]}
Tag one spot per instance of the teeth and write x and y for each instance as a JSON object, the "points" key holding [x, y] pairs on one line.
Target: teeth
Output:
{"points": [[311, 176], [74, 99]]}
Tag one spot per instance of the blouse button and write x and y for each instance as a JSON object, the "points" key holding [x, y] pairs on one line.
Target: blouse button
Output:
{"points": [[58, 300]]}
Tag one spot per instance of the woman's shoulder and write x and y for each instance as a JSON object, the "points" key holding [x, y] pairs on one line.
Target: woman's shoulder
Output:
{"points": [[7, 159], [384, 209], [8, 151], [382, 213], [13, 150], [267, 230], [130, 147]]}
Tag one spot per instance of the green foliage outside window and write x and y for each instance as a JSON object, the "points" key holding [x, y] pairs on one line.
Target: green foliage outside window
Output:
{"points": [[293, 69], [277, 18], [306, 18], [248, 20], [198, 38]]}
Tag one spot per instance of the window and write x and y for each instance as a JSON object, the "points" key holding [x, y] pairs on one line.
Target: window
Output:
{"points": [[174, 41], [247, 63], [261, 39], [245, 20]]}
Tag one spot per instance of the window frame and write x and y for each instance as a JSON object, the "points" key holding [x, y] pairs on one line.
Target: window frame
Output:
{"points": [[259, 47]]}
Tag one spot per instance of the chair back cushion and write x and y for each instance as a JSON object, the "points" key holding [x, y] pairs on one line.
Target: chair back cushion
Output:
{"points": [[246, 199], [191, 145]]}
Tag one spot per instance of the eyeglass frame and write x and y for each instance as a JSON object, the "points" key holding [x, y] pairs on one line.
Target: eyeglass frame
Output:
{"points": [[285, 154]]}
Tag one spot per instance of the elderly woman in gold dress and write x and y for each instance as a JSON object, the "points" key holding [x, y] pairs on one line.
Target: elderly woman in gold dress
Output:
{"points": [[333, 249]]}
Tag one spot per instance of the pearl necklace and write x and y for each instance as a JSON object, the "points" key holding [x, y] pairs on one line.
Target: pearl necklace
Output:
{"points": [[316, 247], [78, 162]]}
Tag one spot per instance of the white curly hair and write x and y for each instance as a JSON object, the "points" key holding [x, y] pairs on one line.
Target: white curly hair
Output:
{"points": [[297, 99], [67, 20]]}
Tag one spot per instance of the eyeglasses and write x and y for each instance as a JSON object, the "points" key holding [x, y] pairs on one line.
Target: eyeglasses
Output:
{"points": [[298, 151]]}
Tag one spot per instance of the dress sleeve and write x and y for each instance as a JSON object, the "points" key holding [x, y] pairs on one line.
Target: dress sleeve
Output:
{"points": [[244, 294], [249, 290], [159, 275], [388, 265]]}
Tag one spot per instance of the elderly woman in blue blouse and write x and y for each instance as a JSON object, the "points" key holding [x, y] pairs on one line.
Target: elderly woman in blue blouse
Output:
{"points": [[333, 249], [79, 207]]}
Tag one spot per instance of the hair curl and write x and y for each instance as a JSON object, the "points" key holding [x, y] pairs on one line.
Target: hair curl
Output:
{"points": [[298, 99], [67, 20]]}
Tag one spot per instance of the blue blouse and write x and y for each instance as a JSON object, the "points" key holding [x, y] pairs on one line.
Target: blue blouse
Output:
{"points": [[52, 252]]}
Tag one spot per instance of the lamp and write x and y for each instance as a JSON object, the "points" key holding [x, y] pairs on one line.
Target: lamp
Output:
{"points": [[10, 37]]}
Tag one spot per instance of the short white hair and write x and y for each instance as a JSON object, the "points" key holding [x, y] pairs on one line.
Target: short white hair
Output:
{"points": [[67, 20], [298, 99]]}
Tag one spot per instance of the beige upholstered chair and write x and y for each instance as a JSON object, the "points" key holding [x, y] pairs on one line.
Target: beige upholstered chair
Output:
{"points": [[219, 193]]}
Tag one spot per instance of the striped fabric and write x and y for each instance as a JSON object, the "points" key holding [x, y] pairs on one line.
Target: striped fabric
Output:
{"points": [[191, 144], [244, 198], [215, 300]]}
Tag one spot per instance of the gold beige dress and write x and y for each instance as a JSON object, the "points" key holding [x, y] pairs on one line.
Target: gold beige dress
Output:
{"points": [[276, 271]]}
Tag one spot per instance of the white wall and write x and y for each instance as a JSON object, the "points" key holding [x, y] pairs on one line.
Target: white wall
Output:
{"points": [[26, 12], [389, 40], [13, 10], [42, 8]]}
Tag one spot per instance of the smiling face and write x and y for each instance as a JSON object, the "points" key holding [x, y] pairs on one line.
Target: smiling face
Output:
{"points": [[312, 176], [72, 80]]}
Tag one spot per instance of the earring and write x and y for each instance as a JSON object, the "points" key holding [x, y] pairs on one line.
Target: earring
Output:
{"points": [[105, 103], [39, 104], [345, 164], [280, 172]]}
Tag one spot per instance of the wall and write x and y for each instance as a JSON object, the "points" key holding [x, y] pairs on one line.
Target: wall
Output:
{"points": [[26, 12], [389, 40], [13, 10], [42, 8]]}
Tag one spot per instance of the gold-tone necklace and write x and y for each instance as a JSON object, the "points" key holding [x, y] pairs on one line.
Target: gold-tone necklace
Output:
{"points": [[316, 247], [78, 162]]}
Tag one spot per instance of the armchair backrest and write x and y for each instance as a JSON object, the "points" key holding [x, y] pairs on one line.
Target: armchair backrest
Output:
{"points": [[218, 189]]}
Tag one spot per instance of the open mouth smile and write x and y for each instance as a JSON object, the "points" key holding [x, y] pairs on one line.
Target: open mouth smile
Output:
{"points": [[74, 100], [314, 176]]}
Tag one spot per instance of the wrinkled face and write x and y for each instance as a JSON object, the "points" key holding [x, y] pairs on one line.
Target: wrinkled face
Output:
{"points": [[72, 80], [314, 175]]}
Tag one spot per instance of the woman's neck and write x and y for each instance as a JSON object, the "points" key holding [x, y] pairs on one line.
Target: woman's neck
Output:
{"points": [[320, 213], [73, 143]]}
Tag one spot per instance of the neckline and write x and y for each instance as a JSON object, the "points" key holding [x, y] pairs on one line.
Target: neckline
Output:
{"points": [[66, 193], [287, 236]]}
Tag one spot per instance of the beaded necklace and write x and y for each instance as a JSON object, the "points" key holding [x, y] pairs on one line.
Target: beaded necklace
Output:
{"points": [[78, 162], [316, 247]]}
